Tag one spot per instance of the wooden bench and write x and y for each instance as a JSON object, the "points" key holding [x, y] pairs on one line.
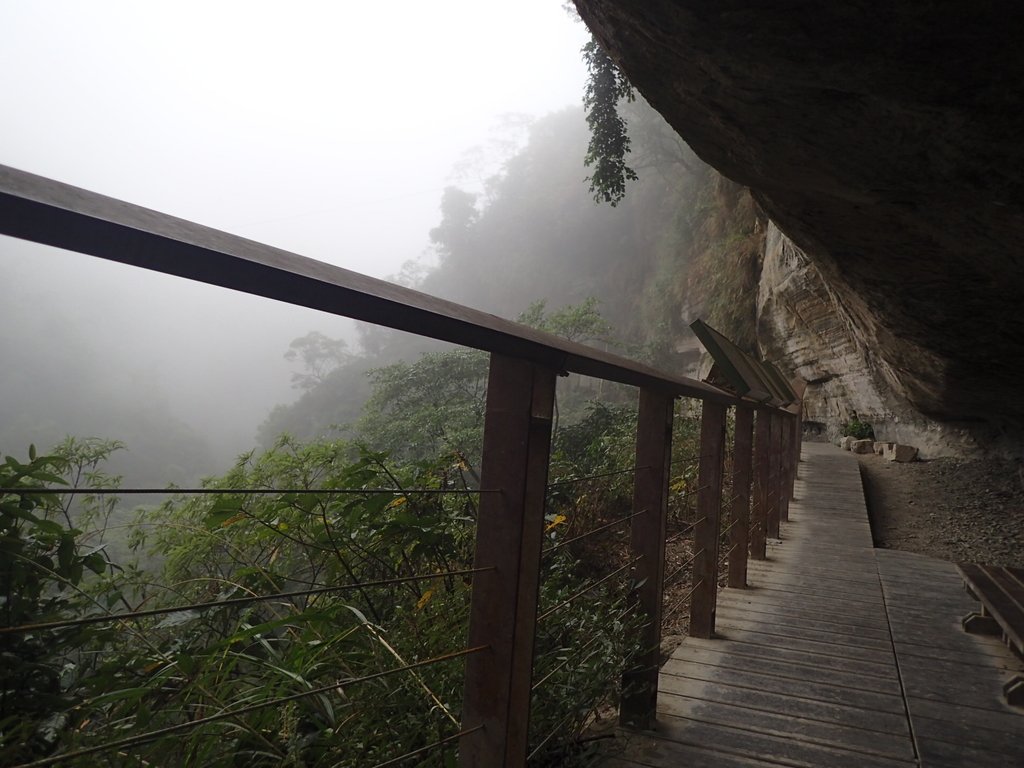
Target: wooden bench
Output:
{"points": [[1001, 594]]}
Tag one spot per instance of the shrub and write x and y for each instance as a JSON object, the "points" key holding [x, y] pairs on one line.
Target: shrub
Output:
{"points": [[859, 429]]}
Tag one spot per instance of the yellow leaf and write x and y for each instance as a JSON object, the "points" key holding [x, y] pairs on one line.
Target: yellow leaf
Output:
{"points": [[424, 599], [397, 503], [558, 520], [232, 520]]}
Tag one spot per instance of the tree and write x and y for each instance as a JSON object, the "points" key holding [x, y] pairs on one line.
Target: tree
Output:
{"points": [[319, 355], [435, 405], [458, 215], [576, 322], [609, 141]]}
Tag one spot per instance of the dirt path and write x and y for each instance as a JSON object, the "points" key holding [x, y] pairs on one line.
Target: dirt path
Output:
{"points": [[953, 509]]}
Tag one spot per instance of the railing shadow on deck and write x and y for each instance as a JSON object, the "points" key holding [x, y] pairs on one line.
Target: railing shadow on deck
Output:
{"points": [[524, 366]]}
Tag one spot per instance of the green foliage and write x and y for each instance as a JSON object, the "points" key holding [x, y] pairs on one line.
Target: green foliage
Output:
{"points": [[858, 429], [609, 140], [581, 322], [77, 688], [726, 266], [229, 545], [167, 670], [434, 406], [43, 569]]}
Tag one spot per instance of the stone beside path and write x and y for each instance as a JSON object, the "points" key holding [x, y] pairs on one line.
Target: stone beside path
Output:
{"points": [[890, 451]]}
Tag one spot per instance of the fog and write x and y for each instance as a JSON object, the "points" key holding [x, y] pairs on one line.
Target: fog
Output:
{"points": [[328, 129]]}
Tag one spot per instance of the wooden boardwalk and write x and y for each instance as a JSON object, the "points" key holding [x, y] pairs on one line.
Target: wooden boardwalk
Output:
{"points": [[837, 655]]}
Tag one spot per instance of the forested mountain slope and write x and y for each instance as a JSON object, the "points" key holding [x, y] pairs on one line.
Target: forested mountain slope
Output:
{"points": [[684, 242]]}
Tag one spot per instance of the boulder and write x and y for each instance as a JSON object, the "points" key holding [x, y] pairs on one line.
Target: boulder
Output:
{"points": [[863, 446], [901, 453], [844, 442]]}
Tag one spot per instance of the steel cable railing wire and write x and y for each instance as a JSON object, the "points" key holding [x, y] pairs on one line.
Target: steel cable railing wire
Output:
{"points": [[592, 532], [682, 601], [576, 652], [551, 734], [669, 579], [144, 738], [594, 585], [691, 492], [560, 660], [687, 526], [135, 615], [724, 557], [692, 459], [242, 491], [423, 750], [597, 476], [572, 656]]}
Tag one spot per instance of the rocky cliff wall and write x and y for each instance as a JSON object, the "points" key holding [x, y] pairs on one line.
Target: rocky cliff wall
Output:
{"points": [[885, 141], [807, 326]]}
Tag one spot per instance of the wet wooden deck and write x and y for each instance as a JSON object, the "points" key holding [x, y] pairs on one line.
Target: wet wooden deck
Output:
{"points": [[837, 655]]}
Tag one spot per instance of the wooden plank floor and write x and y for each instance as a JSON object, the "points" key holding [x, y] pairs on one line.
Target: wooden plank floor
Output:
{"points": [[837, 655]]}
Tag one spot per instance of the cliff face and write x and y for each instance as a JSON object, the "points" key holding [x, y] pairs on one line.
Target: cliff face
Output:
{"points": [[808, 328], [885, 142]]}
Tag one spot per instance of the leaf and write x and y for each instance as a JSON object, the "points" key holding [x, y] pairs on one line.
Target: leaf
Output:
{"points": [[424, 599], [376, 504], [95, 562], [133, 694], [223, 509], [48, 527], [48, 477], [556, 521], [66, 554], [185, 663]]}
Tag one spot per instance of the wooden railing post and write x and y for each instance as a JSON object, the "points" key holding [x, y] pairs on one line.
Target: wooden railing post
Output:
{"points": [[774, 475], [762, 470], [739, 518], [510, 530], [707, 528], [647, 542], [798, 435], [785, 466]]}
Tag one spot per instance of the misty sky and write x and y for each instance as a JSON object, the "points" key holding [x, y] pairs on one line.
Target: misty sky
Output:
{"points": [[326, 128]]}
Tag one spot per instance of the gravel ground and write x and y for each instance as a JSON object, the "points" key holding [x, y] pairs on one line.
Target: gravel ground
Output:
{"points": [[952, 509]]}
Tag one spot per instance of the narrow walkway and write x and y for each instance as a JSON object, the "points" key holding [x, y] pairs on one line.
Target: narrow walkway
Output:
{"points": [[837, 655]]}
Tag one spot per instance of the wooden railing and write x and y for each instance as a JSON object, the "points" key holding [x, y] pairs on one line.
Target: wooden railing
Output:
{"points": [[517, 441]]}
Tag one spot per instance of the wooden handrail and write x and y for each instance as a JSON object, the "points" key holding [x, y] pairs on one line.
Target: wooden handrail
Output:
{"points": [[517, 438], [53, 213]]}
